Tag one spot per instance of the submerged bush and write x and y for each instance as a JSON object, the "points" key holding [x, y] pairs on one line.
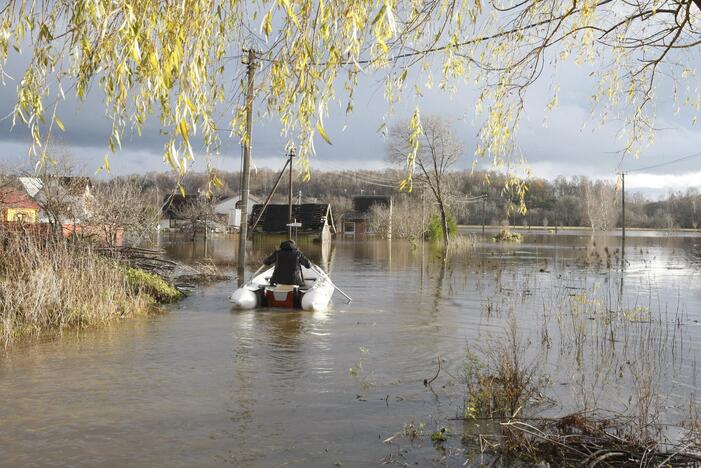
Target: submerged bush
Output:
{"points": [[50, 285], [505, 235], [435, 227]]}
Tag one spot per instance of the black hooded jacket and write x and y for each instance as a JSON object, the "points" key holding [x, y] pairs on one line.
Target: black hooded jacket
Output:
{"points": [[287, 262]]}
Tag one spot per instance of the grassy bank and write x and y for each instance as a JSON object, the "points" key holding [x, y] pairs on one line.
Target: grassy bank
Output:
{"points": [[47, 287]]}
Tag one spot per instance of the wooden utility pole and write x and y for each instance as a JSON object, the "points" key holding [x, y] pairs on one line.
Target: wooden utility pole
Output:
{"points": [[246, 171], [423, 213], [623, 224], [289, 198], [623, 206], [484, 213]]}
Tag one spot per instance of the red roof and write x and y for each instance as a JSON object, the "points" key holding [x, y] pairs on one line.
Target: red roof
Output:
{"points": [[13, 198]]}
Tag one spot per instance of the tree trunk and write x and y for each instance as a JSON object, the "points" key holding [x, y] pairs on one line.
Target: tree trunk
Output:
{"points": [[444, 223]]}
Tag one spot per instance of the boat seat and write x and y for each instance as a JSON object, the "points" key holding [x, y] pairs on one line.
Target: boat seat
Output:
{"points": [[283, 288]]}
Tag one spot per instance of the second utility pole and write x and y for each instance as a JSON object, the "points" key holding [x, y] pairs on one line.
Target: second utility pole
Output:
{"points": [[623, 206], [246, 171], [289, 200]]}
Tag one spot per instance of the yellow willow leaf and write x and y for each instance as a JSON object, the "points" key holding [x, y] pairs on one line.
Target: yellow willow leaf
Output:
{"points": [[182, 126], [290, 13], [323, 134], [136, 52], [60, 124], [267, 25], [379, 15]]}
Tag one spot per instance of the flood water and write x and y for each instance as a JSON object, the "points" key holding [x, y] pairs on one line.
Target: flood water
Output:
{"points": [[204, 385]]}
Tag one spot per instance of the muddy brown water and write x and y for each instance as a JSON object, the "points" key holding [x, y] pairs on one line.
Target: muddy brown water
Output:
{"points": [[204, 385]]}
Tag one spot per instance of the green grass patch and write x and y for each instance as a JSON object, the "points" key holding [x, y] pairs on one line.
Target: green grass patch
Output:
{"points": [[435, 227], [505, 235], [153, 285]]}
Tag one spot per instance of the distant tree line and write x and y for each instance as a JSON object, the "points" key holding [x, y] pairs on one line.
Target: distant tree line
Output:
{"points": [[564, 201]]}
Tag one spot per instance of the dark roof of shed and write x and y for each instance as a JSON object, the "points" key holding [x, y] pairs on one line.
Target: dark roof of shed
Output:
{"points": [[356, 216], [313, 217], [173, 203], [363, 203]]}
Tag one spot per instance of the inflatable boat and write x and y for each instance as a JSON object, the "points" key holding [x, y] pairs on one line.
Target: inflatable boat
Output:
{"points": [[258, 292]]}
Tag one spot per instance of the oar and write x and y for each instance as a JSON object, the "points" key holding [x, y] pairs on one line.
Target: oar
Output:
{"points": [[319, 270], [255, 273]]}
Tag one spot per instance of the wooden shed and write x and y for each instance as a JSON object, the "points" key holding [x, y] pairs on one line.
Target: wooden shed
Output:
{"points": [[316, 220], [356, 222]]}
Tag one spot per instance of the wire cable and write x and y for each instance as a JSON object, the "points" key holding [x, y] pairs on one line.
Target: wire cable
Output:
{"points": [[655, 166]]}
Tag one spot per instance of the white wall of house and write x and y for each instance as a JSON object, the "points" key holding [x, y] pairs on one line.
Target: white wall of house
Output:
{"points": [[228, 208]]}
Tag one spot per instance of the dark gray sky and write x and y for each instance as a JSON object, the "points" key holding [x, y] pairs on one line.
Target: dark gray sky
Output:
{"points": [[572, 142]]}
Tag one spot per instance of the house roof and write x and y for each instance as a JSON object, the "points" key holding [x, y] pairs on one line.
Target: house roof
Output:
{"points": [[363, 203], [229, 203], [75, 186], [32, 185], [14, 198], [313, 216], [174, 203], [356, 216]]}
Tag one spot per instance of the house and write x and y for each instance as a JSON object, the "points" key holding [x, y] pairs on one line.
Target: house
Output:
{"points": [[228, 210], [61, 198], [18, 207], [189, 212], [316, 220], [173, 211], [356, 222]]}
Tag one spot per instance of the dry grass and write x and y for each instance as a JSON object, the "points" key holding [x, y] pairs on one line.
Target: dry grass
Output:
{"points": [[592, 440], [47, 286], [499, 381]]}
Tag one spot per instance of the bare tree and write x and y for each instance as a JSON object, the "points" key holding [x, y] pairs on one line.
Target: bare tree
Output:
{"points": [[119, 207], [197, 211], [438, 150], [601, 204]]}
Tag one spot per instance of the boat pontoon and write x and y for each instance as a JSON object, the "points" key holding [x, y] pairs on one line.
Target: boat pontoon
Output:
{"points": [[258, 292]]}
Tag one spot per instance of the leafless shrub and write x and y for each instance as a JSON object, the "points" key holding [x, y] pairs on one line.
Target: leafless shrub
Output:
{"points": [[198, 211], [118, 207], [601, 204], [499, 380], [406, 219]]}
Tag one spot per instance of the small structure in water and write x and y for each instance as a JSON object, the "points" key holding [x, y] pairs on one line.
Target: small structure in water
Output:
{"points": [[315, 221], [228, 210], [356, 223]]}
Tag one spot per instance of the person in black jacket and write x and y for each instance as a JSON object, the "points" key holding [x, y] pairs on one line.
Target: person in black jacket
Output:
{"points": [[288, 262]]}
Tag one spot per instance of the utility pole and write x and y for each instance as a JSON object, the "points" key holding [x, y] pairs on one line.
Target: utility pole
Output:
{"points": [[246, 171], [484, 212], [623, 219], [423, 211], [289, 199], [623, 206]]}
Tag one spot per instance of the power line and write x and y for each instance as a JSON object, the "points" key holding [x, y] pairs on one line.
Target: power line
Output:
{"points": [[655, 166], [366, 179]]}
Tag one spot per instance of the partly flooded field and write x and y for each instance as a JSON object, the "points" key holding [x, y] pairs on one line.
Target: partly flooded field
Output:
{"points": [[361, 384]]}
